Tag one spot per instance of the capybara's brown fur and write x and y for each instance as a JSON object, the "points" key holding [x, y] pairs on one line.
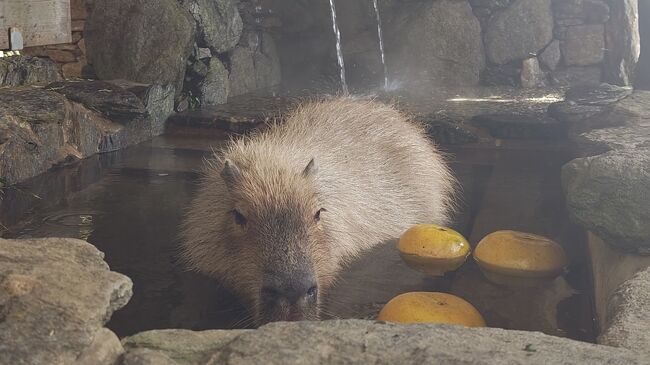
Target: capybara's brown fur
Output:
{"points": [[291, 205]]}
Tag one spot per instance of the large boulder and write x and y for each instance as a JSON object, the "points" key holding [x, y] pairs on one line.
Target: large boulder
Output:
{"points": [[524, 28], [214, 87], [219, 24], [584, 45], [437, 42], [622, 41], [56, 294], [139, 40]]}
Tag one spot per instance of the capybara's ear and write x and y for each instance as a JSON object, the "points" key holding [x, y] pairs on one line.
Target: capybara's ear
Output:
{"points": [[311, 168], [230, 173]]}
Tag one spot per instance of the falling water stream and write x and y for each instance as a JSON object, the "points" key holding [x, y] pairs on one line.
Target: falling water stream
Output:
{"points": [[339, 52], [381, 43]]}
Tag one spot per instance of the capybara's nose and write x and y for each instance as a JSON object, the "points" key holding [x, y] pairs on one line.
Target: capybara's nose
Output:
{"points": [[293, 290]]}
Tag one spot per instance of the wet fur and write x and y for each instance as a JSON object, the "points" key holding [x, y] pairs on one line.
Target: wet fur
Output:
{"points": [[376, 174]]}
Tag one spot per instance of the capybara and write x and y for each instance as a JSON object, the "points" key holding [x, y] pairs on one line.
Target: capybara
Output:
{"points": [[278, 213]]}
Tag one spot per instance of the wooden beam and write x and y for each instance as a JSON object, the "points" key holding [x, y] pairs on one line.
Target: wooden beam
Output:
{"points": [[41, 22]]}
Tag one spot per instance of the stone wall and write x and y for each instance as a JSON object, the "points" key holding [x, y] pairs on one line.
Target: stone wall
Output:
{"points": [[70, 58], [463, 42]]}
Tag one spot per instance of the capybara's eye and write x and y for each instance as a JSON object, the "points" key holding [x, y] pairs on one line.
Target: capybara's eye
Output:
{"points": [[239, 218], [317, 215], [312, 291]]}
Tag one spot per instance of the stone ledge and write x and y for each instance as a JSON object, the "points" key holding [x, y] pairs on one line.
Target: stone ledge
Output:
{"points": [[367, 342], [608, 191], [44, 127]]}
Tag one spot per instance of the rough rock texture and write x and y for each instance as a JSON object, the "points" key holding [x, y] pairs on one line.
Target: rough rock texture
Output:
{"points": [[605, 94], [609, 194], [254, 66], [182, 346], [582, 11], [584, 45], [522, 29], [437, 42], [366, 342], [629, 315], [105, 349], [622, 41], [576, 76], [25, 70], [132, 40], [520, 126], [146, 357], [219, 25], [531, 74], [55, 294], [215, 87], [551, 56], [41, 128]]}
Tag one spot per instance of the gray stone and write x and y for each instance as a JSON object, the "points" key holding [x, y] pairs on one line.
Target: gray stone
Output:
{"points": [[56, 294], [448, 132], [146, 357], [603, 94], [551, 55], [531, 74], [182, 346], [218, 22], [215, 86], [609, 194], [366, 342], [601, 140], [26, 70], [628, 315], [572, 112], [519, 31], [576, 76], [131, 39], [622, 41], [436, 43], [204, 53], [590, 11], [105, 349], [583, 45], [254, 66]]}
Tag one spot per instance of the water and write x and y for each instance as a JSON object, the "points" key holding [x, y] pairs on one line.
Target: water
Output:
{"points": [[381, 44], [129, 204], [339, 52]]}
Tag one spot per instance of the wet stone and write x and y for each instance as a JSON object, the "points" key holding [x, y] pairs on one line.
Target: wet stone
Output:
{"points": [[508, 126], [26, 70], [572, 112], [448, 132], [576, 76], [603, 94]]}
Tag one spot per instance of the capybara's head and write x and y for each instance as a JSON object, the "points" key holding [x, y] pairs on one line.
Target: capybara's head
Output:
{"points": [[268, 239]]}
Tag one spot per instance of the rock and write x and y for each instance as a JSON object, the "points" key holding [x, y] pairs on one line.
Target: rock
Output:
{"points": [[551, 55], [112, 101], [254, 67], [603, 94], [519, 31], [622, 41], [204, 53], [628, 315], [364, 342], [242, 71], [78, 10], [508, 74], [182, 346], [590, 11], [509, 126], [576, 76], [146, 357], [219, 25], [73, 70], [27, 70], [596, 11], [132, 40], [214, 87], [531, 74], [105, 349], [437, 43], [601, 140], [572, 112], [583, 45], [56, 295], [448, 132], [609, 194]]}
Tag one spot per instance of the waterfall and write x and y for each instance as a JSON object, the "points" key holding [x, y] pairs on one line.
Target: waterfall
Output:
{"points": [[339, 52], [381, 43]]}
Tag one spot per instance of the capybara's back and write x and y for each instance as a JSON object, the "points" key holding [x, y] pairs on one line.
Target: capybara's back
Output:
{"points": [[278, 213]]}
